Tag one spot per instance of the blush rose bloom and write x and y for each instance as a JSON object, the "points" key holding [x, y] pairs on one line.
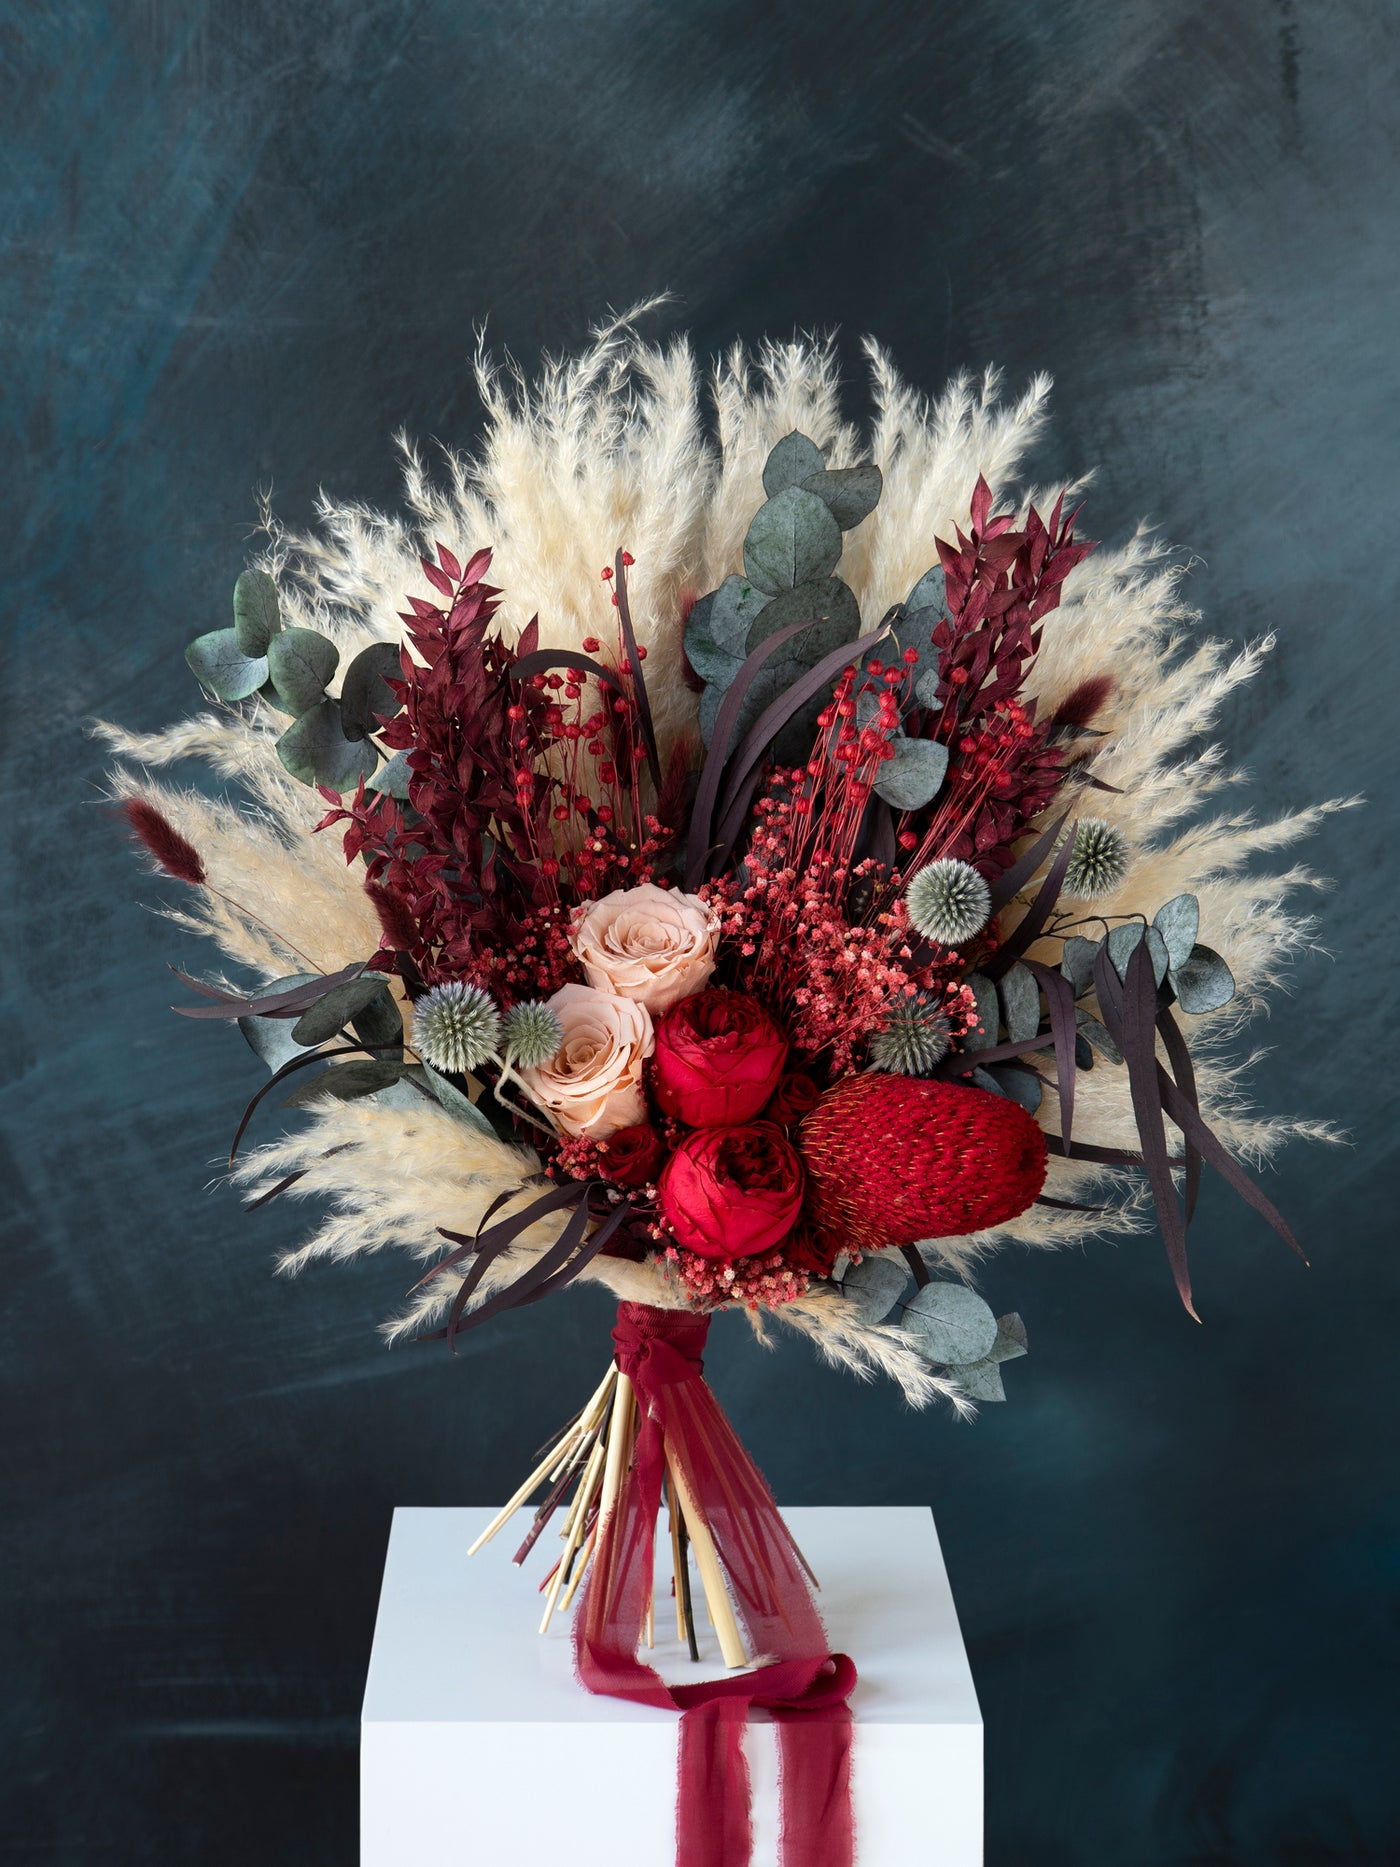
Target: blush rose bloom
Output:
{"points": [[730, 1192], [653, 945], [593, 1083], [718, 1059]]}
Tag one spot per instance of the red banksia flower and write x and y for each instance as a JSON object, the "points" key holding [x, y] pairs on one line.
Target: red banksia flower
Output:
{"points": [[730, 1192], [632, 1155], [718, 1059], [893, 1159]]}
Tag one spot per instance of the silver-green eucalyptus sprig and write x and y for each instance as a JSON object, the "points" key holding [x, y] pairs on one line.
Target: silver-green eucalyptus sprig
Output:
{"points": [[914, 1038], [948, 901], [1098, 860]]}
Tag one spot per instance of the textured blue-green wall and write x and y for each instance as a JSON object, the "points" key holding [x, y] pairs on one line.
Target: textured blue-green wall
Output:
{"points": [[242, 243]]}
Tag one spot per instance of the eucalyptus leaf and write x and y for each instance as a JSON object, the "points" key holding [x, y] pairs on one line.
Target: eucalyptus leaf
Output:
{"points": [[315, 749], [983, 1079], [1204, 983], [979, 1380], [379, 1024], [346, 1082], [1126, 937], [950, 1323], [766, 686], [257, 616], [1077, 962], [271, 1038], [852, 493], [793, 460], [926, 686], [1020, 1002], [717, 630], [985, 994], [875, 1285], [302, 662], [1097, 1035], [834, 614], [913, 777], [930, 592], [365, 692], [793, 539], [450, 1097], [1178, 921], [1023, 1086], [392, 777], [218, 663], [1011, 1339], [335, 1010]]}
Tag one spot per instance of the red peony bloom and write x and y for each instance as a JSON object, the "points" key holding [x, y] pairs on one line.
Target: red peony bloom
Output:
{"points": [[631, 1156], [809, 1253], [718, 1057], [796, 1095], [729, 1192]]}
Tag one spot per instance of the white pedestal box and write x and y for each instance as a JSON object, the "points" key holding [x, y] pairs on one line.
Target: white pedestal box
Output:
{"points": [[479, 1748]]}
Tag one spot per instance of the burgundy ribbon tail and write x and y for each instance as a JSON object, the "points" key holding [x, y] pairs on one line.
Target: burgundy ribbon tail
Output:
{"points": [[801, 1684]]}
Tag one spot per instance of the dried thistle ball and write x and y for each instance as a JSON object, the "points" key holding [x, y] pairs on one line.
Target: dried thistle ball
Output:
{"points": [[531, 1033], [1098, 861], [456, 1027], [948, 901], [915, 1037]]}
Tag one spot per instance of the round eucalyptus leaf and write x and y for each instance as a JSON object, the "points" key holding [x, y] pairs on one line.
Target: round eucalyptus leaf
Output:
{"points": [[793, 539], [1011, 1339], [828, 603], [1090, 1028], [912, 778], [219, 664], [346, 1082], [717, 629], [1020, 1002], [451, 1098], [257, 616], [1022, 1086], [852, 493], [1126, 937], [392, 777], [271, 1038], [793, 460], [930, 593], [950, 1323], [315, 750], [330, 1013], [379, 1025], [301, 663], [984, 994], [926, 686], [365, 693], [1178, 921], [1077, 962], [875, 1285], [1204, 983], [979, 1380]]}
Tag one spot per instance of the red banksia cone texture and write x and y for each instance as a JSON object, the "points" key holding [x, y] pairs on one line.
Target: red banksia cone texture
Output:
{"points": [[893, 1159]]}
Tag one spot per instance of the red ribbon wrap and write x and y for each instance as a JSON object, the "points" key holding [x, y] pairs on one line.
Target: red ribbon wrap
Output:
{"points": [[801, 1684]]}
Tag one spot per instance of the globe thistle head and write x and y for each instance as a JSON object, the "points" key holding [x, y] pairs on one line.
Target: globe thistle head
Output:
{"points": [[531, 1033], [914, 1038], [456, 1027], [948, 901], [1098, 861]]}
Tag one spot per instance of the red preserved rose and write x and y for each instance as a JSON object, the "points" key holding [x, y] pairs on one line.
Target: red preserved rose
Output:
{"points": [[631, 1156], [718, 1058], [796, 1095], [729, 1192]]}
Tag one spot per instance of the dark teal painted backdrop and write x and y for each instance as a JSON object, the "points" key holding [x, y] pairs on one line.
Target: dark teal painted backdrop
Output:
{"points": [[242, 243]]}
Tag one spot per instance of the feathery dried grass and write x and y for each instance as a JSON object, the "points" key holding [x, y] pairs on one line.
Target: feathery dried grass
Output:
{"points": [[611, 449]]}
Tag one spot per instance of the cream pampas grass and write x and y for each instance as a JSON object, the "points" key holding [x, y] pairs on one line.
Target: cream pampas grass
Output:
{"points": [[616, 448]]}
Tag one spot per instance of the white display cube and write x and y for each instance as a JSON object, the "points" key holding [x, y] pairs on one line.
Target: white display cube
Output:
{"points": [[479, 1748]]}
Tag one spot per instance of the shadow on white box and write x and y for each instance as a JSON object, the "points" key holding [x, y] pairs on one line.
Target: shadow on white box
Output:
{"points": [[479, 1748]]}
